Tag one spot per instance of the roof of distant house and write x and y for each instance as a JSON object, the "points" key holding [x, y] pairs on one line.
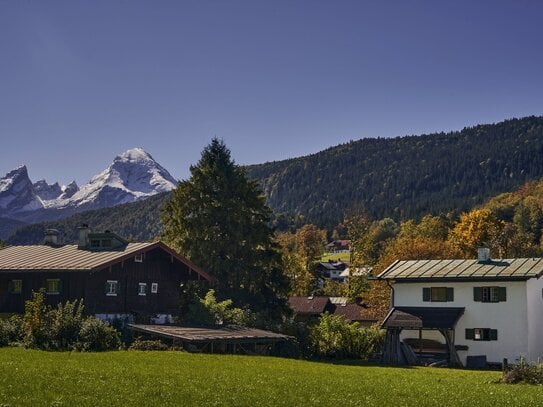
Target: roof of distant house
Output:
{"points": [[472, 269], [308, 305], [353, 312], [339, 243]]}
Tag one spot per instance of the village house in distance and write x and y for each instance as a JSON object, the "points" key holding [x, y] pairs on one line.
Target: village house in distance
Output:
{"points": [[476, 311], [115, 279]]}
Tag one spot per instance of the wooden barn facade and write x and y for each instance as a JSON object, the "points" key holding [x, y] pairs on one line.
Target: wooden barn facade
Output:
{"points": [[114, 278]]}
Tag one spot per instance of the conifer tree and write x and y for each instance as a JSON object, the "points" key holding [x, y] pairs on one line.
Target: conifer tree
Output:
{"points": [[219, 220]]}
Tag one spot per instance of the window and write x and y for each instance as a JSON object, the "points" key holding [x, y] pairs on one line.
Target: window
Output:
{"points": [[52, 286], [489, 294], [142, 289], [106, 243], [154, 288], [16, 286], [95, 243], [112, 287], [138, 258], [438, 294], [482, 334]]}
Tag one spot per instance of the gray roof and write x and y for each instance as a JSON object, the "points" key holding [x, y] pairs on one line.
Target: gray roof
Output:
{"points": [[71, 258], [211, 333], [422, 317], [505, 269]]}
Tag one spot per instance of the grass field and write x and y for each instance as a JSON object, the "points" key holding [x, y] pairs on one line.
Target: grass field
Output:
{"points": [[335, 256], [36, 378]]}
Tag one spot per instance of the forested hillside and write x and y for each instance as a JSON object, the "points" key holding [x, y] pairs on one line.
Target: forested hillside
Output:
{"points": [[401, 178], [406, 177], [137, 221]]}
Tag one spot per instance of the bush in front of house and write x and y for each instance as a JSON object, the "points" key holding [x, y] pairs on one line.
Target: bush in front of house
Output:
{"points": [[97, 336], [524, 372], [10, 330], [64, 327], [335, 337], [141, 344]]}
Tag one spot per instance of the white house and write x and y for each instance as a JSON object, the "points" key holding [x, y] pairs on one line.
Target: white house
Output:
{"points": [[475, 308]]}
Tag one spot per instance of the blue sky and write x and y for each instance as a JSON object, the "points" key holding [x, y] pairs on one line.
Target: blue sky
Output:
{"points": [[81, 81]]}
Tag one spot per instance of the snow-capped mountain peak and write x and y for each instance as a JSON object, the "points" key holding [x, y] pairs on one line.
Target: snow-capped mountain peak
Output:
{"points": [[17, 193], [132, 175]]}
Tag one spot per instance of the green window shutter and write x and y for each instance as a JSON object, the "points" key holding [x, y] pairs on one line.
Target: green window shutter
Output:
{"points": [[477, 293], [118, 287], [106, 287], [493, 335], [59, 286], [502, 294], [470, 333], [426, 294], [450, 294], [10, 286]]}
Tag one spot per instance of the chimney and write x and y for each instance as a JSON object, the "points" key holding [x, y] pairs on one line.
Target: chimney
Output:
{"points": [[83, 241], [483, 255], [52, 237]]}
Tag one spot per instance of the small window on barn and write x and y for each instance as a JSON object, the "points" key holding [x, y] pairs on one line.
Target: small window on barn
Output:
{"points": [[489, 294], [16, 286], [482, 334], [154, 288], [138, 258], [53, 286], [142, 289], [112, 287], [95, 243], [438, 294]]}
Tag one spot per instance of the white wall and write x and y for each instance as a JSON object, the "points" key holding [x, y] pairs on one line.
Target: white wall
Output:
{"points": [[510, 318], [534, 288]]}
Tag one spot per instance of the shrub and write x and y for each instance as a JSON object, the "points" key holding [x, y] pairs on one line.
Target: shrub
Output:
{"points": [[335, 337], [96, 335], [209, 311], [36, 323], [66, 321], [140, 344], [524, 373], [10, 330]]}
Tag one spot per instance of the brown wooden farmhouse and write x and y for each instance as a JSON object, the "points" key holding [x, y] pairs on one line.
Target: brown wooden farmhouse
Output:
{"points": [[114, 278]]}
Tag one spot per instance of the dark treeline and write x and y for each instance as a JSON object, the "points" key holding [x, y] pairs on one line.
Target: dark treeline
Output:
{"points": [[405, 177], [137, 221]]}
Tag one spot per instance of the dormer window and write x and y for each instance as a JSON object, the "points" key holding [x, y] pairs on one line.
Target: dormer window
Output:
{"points": [[95, 244]]}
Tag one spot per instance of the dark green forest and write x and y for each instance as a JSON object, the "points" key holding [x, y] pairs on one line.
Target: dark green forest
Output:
{"points": [[402, 178], [137, 221], [406, 177]]}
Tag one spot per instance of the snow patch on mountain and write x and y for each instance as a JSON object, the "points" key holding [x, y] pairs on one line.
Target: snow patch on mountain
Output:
{"points": [[47, 191]]}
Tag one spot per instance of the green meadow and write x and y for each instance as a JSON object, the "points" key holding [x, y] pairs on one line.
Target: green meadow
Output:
{"points": [[126, 378]]}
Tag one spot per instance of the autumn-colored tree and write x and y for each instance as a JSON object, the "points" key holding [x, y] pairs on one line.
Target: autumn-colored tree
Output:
{"points": [[358, 226], [310, 242], [300, 253], [477, 228]]}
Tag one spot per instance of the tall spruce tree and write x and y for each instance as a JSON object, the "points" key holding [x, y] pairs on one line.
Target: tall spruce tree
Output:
{"points": [[219, 220]]}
